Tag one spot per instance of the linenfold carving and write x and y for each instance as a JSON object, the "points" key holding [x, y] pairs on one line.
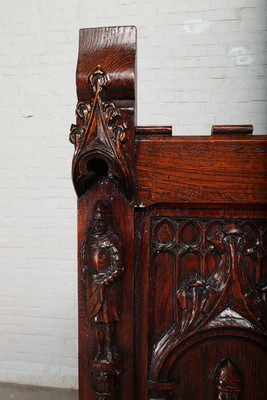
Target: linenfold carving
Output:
{"points": [[98, 135], [228, 381], [102, 268]]}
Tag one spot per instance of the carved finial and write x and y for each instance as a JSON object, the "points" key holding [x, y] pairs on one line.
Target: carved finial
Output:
{"points": [[227, 380], [99, 135], [98, 79]]}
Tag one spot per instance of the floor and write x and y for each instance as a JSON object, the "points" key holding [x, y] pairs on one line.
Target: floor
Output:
{"points": [[21, 392]]}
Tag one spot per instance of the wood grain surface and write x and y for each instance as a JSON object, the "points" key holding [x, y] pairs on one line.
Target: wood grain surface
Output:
{"points": [[201, 169], [113, 48]]}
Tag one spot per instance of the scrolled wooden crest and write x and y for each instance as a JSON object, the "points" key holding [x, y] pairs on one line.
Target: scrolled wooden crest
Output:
{"points": [[99, 139]]}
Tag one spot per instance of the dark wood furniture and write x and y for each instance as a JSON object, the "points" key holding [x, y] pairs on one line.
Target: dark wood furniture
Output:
{"points": [[172, 242]]}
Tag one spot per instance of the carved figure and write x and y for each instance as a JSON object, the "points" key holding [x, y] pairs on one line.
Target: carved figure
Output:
{"points": [[103, 267]]}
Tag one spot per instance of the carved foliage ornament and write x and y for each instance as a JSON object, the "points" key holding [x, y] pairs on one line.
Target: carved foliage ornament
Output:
{"points": [[99, 135], [220, 263], [220, 280], [228, 283]]}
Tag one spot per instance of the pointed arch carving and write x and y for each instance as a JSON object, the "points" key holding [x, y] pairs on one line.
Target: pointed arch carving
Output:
{"points": [[207, 300], [99, 134]]}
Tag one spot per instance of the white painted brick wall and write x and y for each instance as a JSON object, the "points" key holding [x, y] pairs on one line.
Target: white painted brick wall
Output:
{"points": [[199, 63]]}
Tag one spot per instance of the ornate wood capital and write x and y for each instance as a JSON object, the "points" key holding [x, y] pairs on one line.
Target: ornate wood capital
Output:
{"points": [[104, 130]]}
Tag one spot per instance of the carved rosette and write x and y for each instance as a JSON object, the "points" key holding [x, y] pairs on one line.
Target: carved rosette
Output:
{"points": [[103, 267], [99, 139]]}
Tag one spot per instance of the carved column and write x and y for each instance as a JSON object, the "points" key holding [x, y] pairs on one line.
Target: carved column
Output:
{"points": [[103, 178]]}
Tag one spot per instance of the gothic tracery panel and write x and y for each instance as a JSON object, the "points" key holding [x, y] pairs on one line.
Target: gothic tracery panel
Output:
{"points": [[217, 264]]}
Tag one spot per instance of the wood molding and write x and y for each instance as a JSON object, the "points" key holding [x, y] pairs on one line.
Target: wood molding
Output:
{"points": [[232, 129], [200, 169]]}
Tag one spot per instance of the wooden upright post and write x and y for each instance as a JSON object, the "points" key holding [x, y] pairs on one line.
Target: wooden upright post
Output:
{"points": [[103, 177]]}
